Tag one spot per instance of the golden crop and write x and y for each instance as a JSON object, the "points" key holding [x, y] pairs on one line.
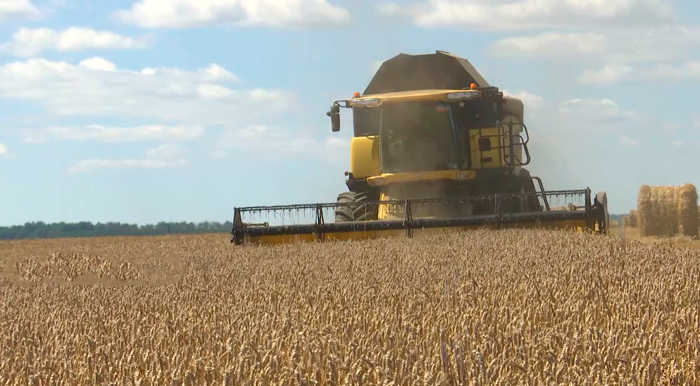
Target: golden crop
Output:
{"points": [[481, 308]]}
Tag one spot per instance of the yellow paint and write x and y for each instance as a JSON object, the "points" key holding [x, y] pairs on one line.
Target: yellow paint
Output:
{"points": [[383, 211], [364, 156], [415, 96], [491, 134], [576, 225], [392, 178]]}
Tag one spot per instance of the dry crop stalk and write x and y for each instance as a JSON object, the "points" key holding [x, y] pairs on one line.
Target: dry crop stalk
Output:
{"points": [[477, 308], [668, 210]]}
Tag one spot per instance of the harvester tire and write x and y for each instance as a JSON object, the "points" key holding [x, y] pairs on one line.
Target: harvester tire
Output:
{"points": [[356, 213], [601, 201], [528, 186]]}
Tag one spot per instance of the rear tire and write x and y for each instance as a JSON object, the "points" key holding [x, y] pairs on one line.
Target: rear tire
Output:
{"points": [[358, 212]]}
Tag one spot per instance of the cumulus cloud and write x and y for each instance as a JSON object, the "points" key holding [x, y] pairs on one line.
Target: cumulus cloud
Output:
{"points": [[18, 9], [3, 150], [550, 44], [34, 41], [278, 142], [97, 87], [240, 13], [628, 142], [607, 74], [612, 74], [99, 133], [531, 14], [614, 55], [642, 44], [529, 100], [688, 70], [99, 64], [164, 156], [595, 111]]}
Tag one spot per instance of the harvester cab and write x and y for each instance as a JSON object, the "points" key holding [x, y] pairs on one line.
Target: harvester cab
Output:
{"points": [[434, 146]]}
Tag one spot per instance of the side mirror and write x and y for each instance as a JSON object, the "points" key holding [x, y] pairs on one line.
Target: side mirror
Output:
{"points": [[335, 117], [335, 123]]}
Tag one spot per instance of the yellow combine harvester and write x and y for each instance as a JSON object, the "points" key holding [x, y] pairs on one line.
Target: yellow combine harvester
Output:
{"points": [[434, 147]]}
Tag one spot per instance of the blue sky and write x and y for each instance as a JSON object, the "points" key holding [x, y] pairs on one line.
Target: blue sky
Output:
{"points": [[168, 110]]}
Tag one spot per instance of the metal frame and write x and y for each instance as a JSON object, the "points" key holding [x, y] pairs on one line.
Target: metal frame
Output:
{"points": [[510, 161], [320, 228]]}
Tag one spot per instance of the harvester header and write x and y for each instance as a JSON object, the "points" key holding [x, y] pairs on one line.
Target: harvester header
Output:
{"points": [[434, 147]]}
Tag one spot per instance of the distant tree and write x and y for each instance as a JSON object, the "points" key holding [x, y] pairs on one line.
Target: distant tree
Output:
{"points": [[41, 230]]}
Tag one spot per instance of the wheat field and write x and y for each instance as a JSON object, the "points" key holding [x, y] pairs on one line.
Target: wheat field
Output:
{"points": [[483, 308]]}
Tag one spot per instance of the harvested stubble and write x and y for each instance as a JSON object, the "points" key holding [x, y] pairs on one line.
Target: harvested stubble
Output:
{"points": [[668, 210], [496, 308]]}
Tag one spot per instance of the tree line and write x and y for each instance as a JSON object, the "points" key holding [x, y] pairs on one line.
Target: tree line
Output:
{"points": [[41, 230]]}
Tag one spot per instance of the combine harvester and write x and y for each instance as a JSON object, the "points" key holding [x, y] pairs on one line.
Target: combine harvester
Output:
{"points": [[435, 147]]}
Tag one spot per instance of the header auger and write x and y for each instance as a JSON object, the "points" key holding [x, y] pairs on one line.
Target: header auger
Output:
{"points": [[434, 147]]}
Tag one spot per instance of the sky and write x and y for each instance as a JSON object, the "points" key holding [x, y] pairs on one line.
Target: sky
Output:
{"points": [[142, 111]]}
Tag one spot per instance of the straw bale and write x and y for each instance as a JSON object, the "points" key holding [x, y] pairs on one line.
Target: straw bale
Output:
{"points": [[668, 210], [632, 219]]}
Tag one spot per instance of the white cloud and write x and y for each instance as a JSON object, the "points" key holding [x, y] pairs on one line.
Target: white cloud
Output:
{"points": [[628, 142], [99, 64], [99, 133], [677, 143], [613, 46], [18, 9], [216, 73], [31, 42], [606, 75], [551, 44], [265, 141], [3, 150], [529, 100], [168, 152], [245, 13], [611, 74], [688, 70], [165, 156], [213, 91], [595, 111], [531, 14], [278, 142], [165, 94]]}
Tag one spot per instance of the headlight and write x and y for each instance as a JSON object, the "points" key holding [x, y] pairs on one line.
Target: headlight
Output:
{"points": [[371, 102], [461, 95]]}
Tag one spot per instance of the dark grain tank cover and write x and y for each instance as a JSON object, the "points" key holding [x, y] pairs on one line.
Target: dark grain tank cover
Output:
{"points": [[440, 70]]}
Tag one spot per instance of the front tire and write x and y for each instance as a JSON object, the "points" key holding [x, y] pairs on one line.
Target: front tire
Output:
{"points": [[358, 212], [527, 185], [601, 202]]}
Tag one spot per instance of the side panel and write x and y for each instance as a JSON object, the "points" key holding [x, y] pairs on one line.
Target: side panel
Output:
{"points": [[486, 148], [364, 156]]}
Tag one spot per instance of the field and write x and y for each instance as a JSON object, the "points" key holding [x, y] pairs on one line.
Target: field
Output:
{"points": [[678, 240], [483, 308]]}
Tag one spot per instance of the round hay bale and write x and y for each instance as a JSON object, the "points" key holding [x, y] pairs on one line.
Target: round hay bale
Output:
{"points": [[688, 210], [668, 210], [633, 218]]}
